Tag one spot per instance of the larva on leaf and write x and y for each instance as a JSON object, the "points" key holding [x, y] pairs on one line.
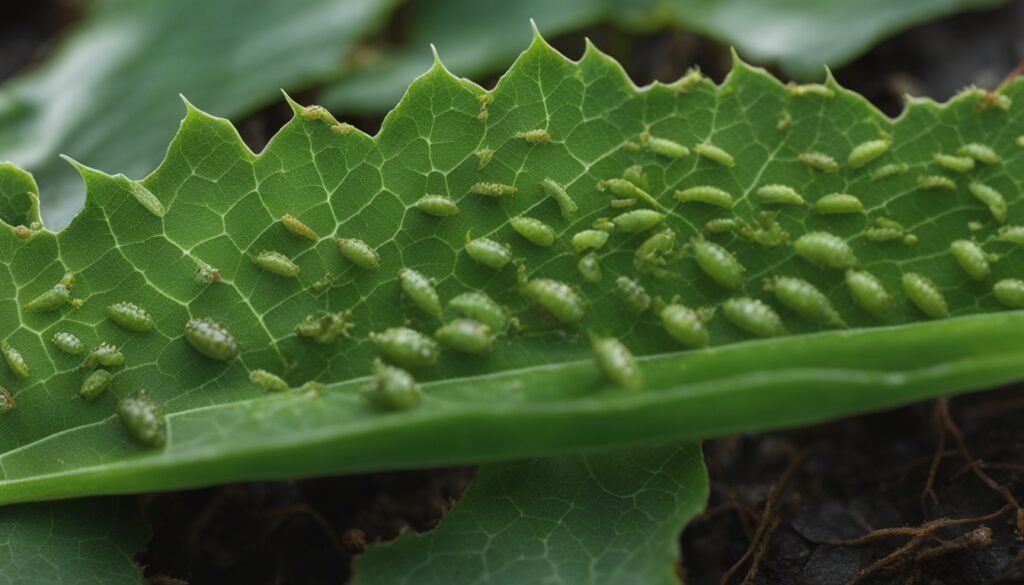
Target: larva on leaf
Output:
{"points": [[685, 325], [1013, 234], [825, 250], [889, 170], [1010, 292], [143, 419], [566, 205], [391, 388], [663, 146], [465, 336], [991, 198], [276, 263], [820, 161], [437, 205], [627, 189], [55, 298], [205, 274], [589, 240], [838, 203], [925, 295], [15, 361], [868, 292], [50, 300], [616, 362], [268, 380], [295, 226], [810, 89], [804, 299], [487, 252], [534, 230], [778, 195], [131, 317], [590, 268], [650, 255], [960, 164], [358, 252], [95, 383], [489, 189], [6, 400], [420, 291], [972, 259], [718, 263], [753, 316], [706, 194], [325, 328], [715, 153], [147, 199], [211, 339], [635, 174], [633, 296], [407, 347], [638, 220], [557, 298], [868, 151], [480, 307], [980, 152], [483, 156], [936, 182], [105, 355], [68, 343], [536, 136], [722, 225]]}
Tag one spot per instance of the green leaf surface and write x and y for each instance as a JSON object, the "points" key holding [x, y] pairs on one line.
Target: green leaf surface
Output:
{"points": [[19, 200], [537, 393], [106, 97], [609, 518], [82, 542], [479, 38]]}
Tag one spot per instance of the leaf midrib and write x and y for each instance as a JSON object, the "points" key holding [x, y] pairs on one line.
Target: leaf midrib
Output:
{"points": [[605, 407]]}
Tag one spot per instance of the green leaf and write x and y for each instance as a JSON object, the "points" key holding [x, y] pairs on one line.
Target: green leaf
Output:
{"points": [[605, 518], [71, 543], [19, 200], [477, 38], [538, 393], [232, 56]]}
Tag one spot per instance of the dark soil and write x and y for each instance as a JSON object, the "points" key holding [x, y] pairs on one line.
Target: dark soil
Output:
{"points": [[784, 503], [852, 477]]}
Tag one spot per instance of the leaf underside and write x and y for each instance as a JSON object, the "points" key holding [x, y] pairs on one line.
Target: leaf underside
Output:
{"points": [[71, 543], [604, 519], [537, 393]]}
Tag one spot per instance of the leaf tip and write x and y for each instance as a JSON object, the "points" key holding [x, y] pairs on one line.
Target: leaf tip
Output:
{"points": [[81, 168], [538, 41], [831, 81], [436, 56], [189, 106], [296, 107], [536, 31]]}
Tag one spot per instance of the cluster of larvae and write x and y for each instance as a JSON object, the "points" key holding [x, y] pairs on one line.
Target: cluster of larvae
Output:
{"points": [[481, 318], [143, 418]]}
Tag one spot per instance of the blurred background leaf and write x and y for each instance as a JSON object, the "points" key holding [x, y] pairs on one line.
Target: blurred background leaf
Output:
{"points": [[477, 38], [78, 542], [107, 94], [600, 519]]}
